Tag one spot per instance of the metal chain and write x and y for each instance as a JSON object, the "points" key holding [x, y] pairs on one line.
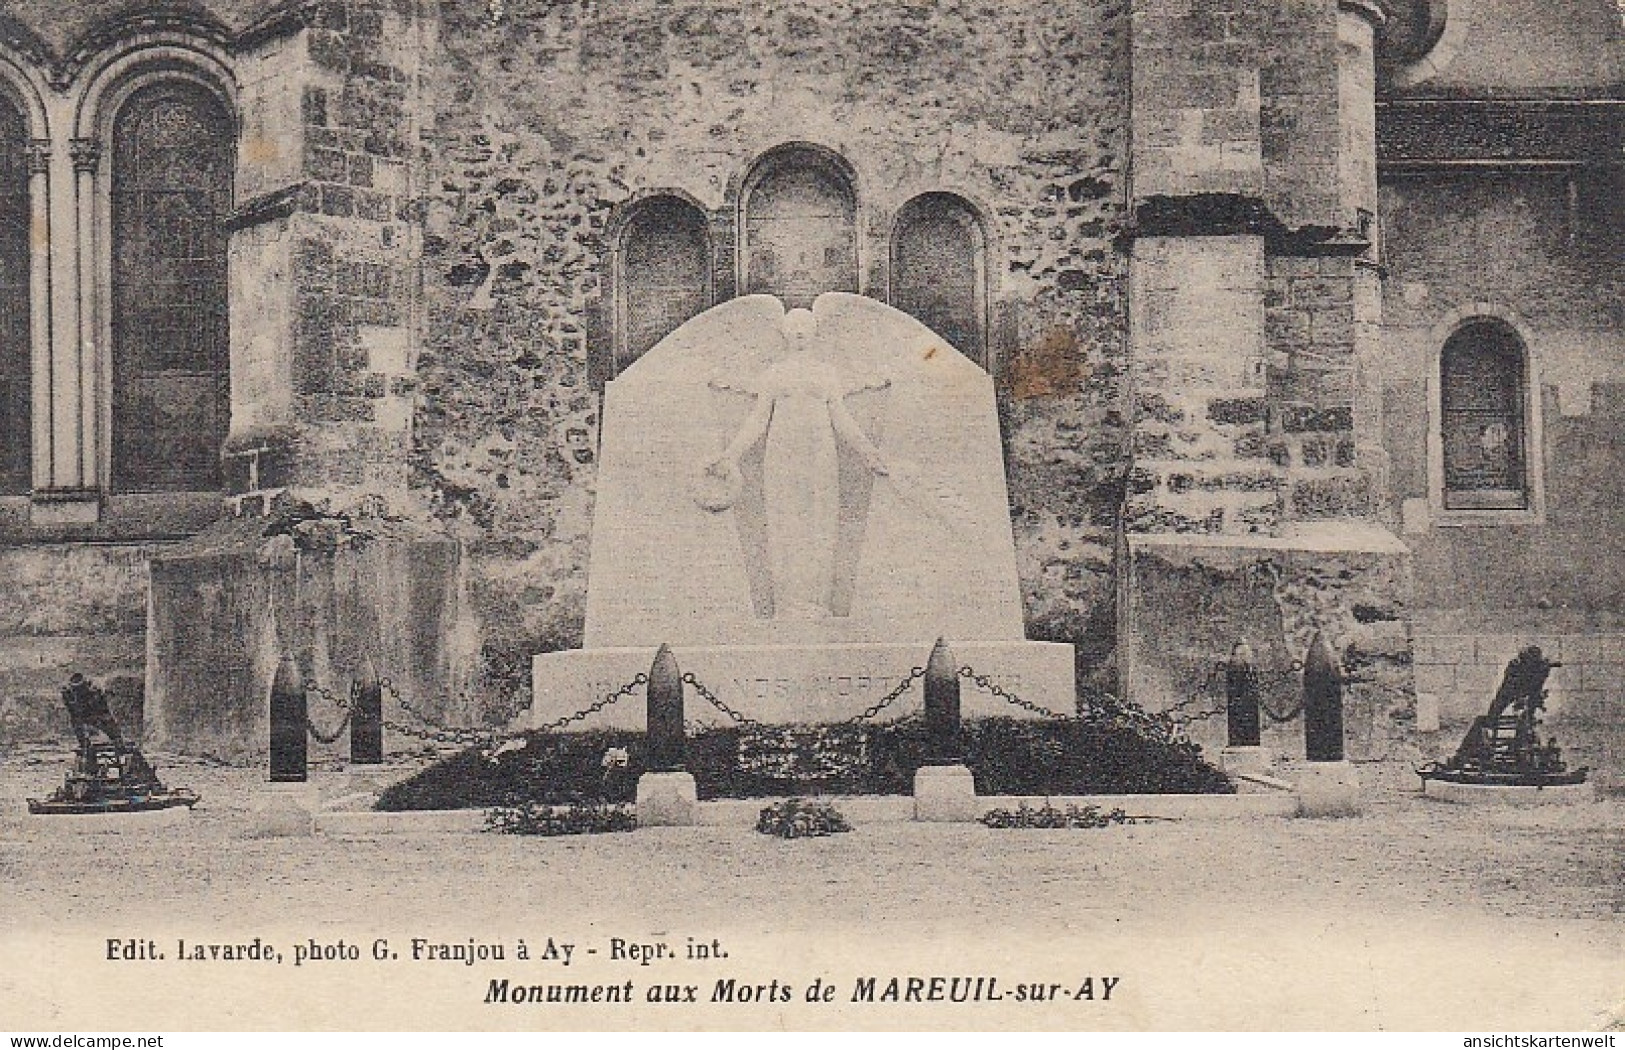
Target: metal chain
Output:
{"points": [[598, 705], [1206, 687], [1161, 724], [890, 698], [328, 738], [1297, 708], [327, 694], [711, 698], [986, 684], [437, 731], [438, 736], [1181, 711], [336, 701]]}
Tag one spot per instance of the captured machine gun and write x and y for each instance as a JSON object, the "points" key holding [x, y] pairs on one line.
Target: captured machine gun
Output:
{"points": [[1503, 747], [109, 775]]}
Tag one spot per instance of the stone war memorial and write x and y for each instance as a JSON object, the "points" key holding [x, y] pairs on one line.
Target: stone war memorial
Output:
{"points": [[799, 503], [1143, 467], [483, 348]]}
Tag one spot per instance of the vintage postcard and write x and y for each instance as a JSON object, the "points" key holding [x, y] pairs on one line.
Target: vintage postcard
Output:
{"points": [[714, 515]]}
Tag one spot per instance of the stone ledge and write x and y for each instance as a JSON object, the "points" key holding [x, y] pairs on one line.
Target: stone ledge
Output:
{"points": [[860, 810], [1342, 537], [1501, 795], [780, 684]]}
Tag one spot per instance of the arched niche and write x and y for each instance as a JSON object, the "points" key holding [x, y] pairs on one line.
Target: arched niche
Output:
{"points": [[798, 231], [939, 270], [663, 275]]}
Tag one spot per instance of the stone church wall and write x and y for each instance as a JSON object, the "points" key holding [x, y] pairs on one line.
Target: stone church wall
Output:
{"points": [[550, 118], [1540, 249]]}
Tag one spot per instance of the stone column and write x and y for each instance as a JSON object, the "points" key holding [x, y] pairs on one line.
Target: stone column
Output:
{"points": [[1357, 24], [65, 491], [323, 380], [1196, 329], [87, 155], [39, 306], [1196, 322]]}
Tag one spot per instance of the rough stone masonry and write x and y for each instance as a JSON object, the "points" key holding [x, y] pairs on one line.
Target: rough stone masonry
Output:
{"points": [[1210, 252]]}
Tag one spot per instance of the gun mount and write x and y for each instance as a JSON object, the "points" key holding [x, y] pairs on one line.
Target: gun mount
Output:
{"points": [[1503, 747], [109, 775]]}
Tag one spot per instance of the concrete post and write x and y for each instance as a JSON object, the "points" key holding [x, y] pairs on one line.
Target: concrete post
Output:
{"points": [[1322, 703], [1241, 692], [665, 714], [285, 807], [942, 706]]}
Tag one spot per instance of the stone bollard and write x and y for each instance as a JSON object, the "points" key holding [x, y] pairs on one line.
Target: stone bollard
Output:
{"points": [[944, 789], [367, 717], [667, 796], [1327, 785], [285, 806], [1243, 752]]}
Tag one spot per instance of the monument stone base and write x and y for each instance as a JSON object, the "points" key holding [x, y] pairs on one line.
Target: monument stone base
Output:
{"points": [[1241, 760], [283, 810], [1326, 789], [1510, 794], [667, 800], [944, 794], [780, 684]]}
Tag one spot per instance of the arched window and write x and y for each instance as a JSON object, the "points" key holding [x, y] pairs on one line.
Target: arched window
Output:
{"points": [[171, 194], [665, 277], [800, 227], [1483, 391], [939, 270], [15, 355]]}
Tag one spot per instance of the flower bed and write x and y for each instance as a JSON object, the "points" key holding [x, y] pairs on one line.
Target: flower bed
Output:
{"points": [[1108, 755]]}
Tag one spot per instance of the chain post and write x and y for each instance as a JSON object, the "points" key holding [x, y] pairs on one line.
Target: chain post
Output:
{"points": [[367, 721], [1322, 703], [289, 724], [664, 727], [942, 706], [1243, 696]]}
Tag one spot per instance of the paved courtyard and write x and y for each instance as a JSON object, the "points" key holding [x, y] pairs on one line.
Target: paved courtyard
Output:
{"points": [[1418, 914]]}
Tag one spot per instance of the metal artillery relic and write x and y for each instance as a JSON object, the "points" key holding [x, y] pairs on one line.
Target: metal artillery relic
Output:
{"points": [[108, 776], [1503, 747]]}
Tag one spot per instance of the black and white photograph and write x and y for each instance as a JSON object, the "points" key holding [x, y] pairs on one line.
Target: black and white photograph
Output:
{"points": [[812, 516]]}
